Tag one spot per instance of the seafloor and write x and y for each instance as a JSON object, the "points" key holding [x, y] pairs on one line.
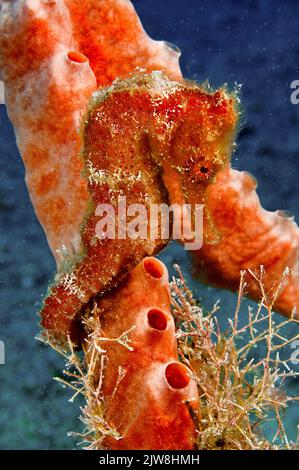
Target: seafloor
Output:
{"points": [[253, 43]]}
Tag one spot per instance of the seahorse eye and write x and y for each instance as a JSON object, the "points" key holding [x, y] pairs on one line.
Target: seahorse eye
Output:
{"points": [[201, 172]]}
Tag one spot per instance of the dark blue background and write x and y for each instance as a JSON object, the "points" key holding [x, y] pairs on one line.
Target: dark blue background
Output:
{"points": [[253, 43]]}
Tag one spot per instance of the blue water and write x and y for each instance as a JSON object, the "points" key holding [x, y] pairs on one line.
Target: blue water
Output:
{"points": [[253, 43]]}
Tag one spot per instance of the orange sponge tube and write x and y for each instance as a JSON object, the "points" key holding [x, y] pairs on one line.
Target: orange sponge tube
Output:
{"points": [[250, 237]]}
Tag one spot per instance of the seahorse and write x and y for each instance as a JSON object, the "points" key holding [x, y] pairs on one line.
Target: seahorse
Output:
{"points": [[151, 399], [53, 56]]}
